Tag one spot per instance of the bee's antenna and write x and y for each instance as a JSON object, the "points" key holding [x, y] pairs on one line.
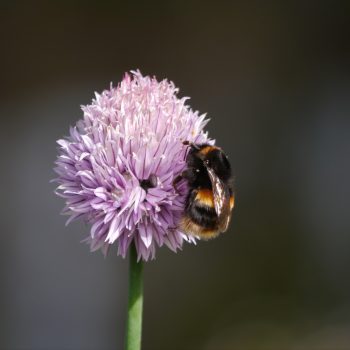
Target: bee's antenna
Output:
{"points": [[188, 143]]}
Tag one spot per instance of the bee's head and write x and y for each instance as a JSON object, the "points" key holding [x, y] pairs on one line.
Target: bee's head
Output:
{"points": [[217, 160]]}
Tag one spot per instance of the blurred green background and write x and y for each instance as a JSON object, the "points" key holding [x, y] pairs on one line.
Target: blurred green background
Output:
{"points": [[274, 77]]}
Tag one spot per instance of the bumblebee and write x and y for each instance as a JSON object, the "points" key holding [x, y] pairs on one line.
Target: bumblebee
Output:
{"points": [[210, 199]]}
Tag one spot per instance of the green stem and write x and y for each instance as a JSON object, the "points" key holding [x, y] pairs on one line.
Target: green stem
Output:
{"points": [[134, 323]]}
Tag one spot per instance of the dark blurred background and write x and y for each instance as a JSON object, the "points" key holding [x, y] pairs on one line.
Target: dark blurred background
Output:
{"points": [[275, 80]]}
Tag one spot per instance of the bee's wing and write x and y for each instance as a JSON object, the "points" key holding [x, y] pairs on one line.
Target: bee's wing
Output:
{"points": [[221, 196]]}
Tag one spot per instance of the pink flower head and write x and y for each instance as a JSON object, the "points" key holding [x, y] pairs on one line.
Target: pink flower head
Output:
{"points": [[116, 169]]}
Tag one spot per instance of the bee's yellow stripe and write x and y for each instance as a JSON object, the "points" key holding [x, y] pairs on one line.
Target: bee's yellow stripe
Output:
{"points": [[232, 202], [207, 149], [205, 197]]}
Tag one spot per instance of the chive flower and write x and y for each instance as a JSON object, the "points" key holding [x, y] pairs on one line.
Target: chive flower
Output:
{"points": [[116, 168]]}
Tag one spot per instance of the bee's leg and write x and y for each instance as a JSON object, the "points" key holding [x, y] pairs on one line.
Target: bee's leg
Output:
{"points": [[176, 181], [187, 174]]}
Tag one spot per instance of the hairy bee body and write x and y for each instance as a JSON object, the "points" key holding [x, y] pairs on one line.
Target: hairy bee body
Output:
{"points": [[210, 199]]}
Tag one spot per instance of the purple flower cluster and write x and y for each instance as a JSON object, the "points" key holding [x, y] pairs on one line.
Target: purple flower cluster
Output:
{"points": [[116, 167]]}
